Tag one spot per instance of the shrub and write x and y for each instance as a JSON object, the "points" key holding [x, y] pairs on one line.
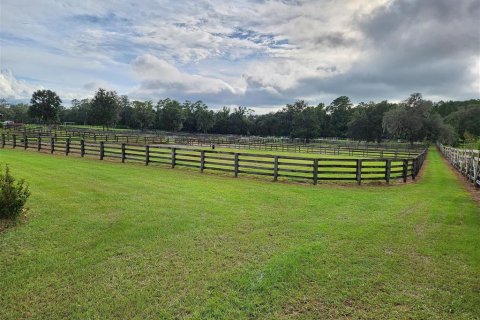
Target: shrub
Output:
{"points": [[12, 195]]}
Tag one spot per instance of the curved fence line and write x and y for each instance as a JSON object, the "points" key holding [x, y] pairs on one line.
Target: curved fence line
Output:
{"points": [[212, 138], [467, 162], [314, 169], [317, 146]]}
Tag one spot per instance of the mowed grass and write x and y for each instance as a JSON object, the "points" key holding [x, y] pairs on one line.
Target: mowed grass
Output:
{"points": [[122, 241]]}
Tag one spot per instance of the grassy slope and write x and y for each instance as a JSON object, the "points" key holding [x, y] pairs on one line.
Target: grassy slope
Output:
{"points": [[107, 240]]}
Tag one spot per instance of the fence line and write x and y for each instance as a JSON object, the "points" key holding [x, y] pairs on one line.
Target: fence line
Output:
{"points": [[236, 163], [208, 138], [317, 146], [467, 162]]}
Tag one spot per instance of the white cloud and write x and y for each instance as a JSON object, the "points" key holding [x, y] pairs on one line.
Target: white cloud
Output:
{"points": [[158, 75], [13, 88], [257, 53]]}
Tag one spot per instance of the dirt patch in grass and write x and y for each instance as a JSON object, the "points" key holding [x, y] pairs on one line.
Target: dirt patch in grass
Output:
{"points": [[6, 224]]}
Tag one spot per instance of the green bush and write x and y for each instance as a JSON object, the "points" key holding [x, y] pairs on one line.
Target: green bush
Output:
{"points": [[12, 195]]}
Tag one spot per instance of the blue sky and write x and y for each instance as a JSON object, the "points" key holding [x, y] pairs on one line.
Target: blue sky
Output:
{"points": [[259, 54]]}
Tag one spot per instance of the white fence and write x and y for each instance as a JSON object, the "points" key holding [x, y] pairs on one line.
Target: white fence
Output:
{"points": [[465, 161]]}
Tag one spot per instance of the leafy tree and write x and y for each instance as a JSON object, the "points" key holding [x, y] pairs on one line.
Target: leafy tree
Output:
{"points": [[405, 121], [78, 112], [144, 114], [20, 113], [127, 116], [5, 113], [222, 121], [445, 108], [190, 123], [340, 113], [170, 115], [366, 123], [309, 122], [414, 120], [204, 118], [45, 106], [105, 108], [239, 121], [291, 119], [268, 125], [466, 119]]}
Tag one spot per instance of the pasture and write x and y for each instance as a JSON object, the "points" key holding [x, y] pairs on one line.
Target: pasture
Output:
{"points": [[111, 240]]}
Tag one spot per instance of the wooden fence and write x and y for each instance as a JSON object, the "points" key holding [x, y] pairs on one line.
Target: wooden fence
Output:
{"points": [[467, 162], [312, 169], [329, 147]]}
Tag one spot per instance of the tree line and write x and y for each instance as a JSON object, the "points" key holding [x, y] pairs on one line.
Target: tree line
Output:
{"points": [[414, 119]]}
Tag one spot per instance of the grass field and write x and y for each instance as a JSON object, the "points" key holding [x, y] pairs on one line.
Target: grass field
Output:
{"points": [[109, 240]]}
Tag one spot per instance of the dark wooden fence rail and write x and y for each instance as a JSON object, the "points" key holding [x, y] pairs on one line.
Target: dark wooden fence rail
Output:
{"points": [[467, 162], [235, 163]]}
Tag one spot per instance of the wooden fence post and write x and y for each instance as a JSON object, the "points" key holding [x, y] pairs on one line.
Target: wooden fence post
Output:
{"points": [[124, 156], [25, 142], [202, 161], [82, 148], [102, 150], [174, 154], [147, 154], [315, 171], [275, 168], [67, 146], [236, 164], [404, 170], [3, 140], [359, 171], [414, 167], [52, 144], [388, 169], [39, 143]]}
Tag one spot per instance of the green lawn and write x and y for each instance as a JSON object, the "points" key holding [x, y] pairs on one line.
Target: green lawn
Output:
{"points": [[109, 240]]}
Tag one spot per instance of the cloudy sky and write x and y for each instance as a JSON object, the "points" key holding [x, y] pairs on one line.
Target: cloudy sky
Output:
{"points": [[256, 53]]}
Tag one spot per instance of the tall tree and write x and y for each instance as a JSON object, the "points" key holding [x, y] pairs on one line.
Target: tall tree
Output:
{"points": [[190, 123], [4, 110], [413, 120], [78, 113], [466, 119], [239, 120], [144, 114], [268, 125], [309, 122], [222, 121], [170, 114], [127, 116], [204, 118], [366, 123], [45, 105], [105, 108], [340, 113]]}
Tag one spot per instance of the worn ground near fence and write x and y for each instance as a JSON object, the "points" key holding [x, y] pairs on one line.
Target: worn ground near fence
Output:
{"points": [[114, 241], [467, 185]]}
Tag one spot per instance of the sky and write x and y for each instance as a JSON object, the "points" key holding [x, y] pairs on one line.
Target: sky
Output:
{"points": [[259, 54]]}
